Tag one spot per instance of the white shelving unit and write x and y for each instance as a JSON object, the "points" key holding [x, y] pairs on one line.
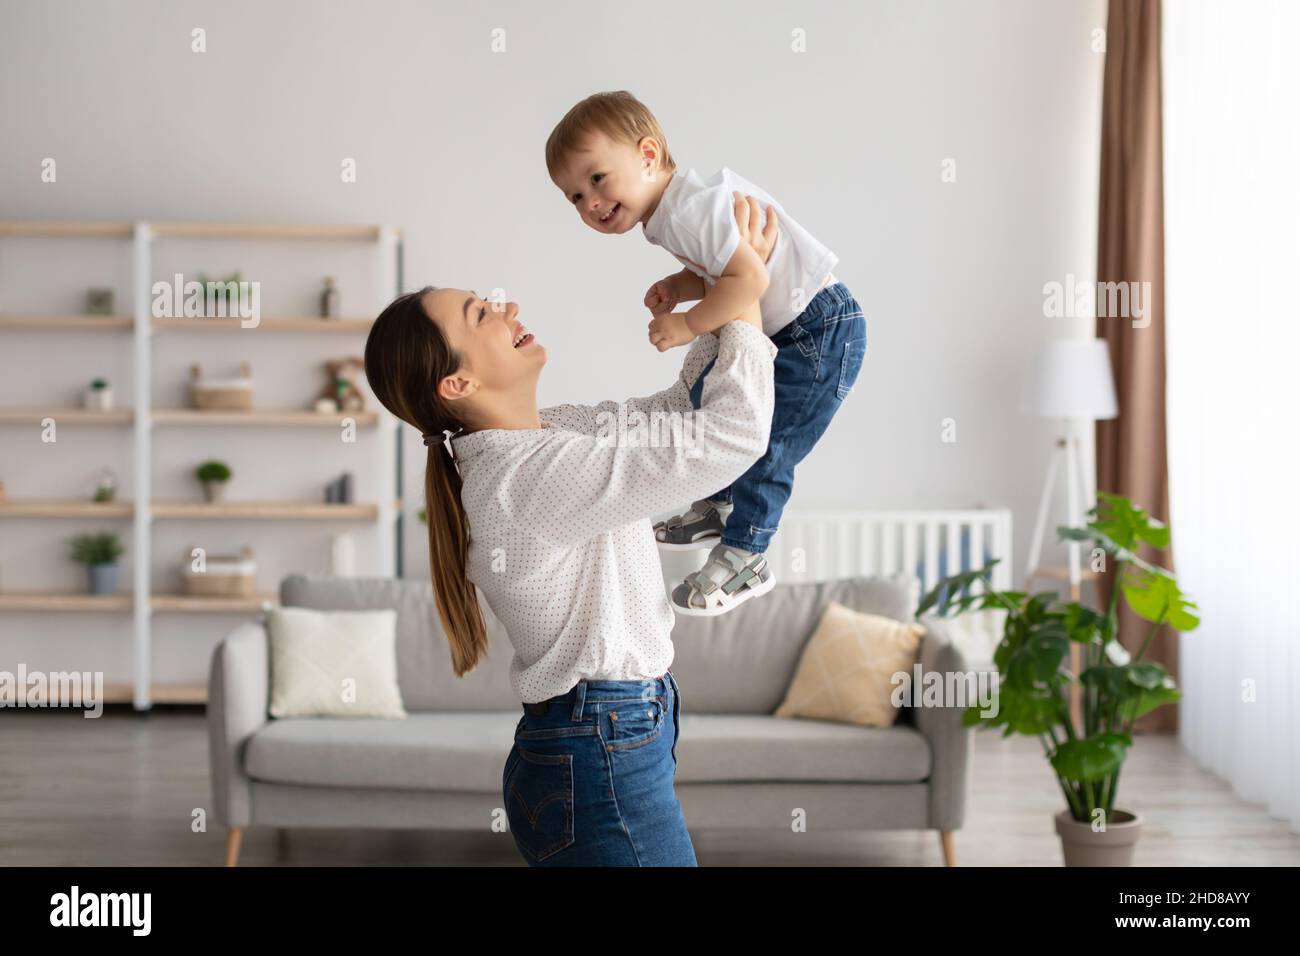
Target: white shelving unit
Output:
{"points": [[144, 418]]}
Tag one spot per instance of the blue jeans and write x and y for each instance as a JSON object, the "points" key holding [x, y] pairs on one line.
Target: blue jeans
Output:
{"points": [[589, 780], [819, 355]]}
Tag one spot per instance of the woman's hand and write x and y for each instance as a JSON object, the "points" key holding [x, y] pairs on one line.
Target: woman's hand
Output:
{"points": [[761, 241]]}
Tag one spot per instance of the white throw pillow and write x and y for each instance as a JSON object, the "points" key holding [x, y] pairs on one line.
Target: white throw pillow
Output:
{"points": [[333, 663]]}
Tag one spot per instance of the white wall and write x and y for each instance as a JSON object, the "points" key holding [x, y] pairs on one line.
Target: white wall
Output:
{"points": [[448, 139]]}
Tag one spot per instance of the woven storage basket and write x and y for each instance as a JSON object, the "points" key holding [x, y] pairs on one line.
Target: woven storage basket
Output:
{"points": [[229, 393], [226, 576]]}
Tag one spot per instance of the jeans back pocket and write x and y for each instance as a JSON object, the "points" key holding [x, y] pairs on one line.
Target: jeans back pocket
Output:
{"points": [[539, 802], [850, 366]]}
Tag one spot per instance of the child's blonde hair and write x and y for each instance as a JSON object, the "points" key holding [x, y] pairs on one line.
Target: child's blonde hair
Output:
{"points": [[619, 115]]}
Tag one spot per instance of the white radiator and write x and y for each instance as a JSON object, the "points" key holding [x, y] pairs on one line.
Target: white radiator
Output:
{"points": [[822, 545]]}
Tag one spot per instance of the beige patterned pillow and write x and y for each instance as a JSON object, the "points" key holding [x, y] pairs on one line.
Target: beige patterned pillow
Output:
{"points": [[333, 663], [848, 665]]}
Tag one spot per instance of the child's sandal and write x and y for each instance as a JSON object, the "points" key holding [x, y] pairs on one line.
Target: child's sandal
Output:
{"points": [[700, 527], [703, 595]]}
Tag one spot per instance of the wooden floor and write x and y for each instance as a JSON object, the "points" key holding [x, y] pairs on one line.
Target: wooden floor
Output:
{"points": [[121, 790]]}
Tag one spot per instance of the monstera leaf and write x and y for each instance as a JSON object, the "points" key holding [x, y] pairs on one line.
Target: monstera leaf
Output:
{"points": [[1155, 596], [1091, 758]]}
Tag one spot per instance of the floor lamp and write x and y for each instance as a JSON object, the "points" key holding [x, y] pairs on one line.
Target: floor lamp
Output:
{"points": [[1072, 382]]}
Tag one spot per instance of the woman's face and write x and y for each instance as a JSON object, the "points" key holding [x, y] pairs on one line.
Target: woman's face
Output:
{"points": [[487, 336]]}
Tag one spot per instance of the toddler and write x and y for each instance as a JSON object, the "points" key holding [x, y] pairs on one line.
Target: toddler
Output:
{"points": [[610, 158]]}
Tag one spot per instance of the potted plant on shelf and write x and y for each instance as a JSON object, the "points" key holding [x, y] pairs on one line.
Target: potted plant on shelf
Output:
{"points": [[220, 296], [105, 486], [99, 396], [1034, 677], [99, 552], [213, 475]]}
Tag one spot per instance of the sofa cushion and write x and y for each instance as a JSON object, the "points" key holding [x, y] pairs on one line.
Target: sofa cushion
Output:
{"points": [[466, 751], [733, 748], [850, 668], [333, 663], [426, 751], [424, 671], [742, 662]]}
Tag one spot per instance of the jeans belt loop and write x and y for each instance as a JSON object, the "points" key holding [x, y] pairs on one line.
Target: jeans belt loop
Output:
{"points": [[579, 698]]}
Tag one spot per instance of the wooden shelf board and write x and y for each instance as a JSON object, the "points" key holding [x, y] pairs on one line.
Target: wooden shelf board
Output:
{"points": [[263, 509], [63, 601], [291, 417], [193, 603], [94, 230], [64, 508], [235, 230], [119, 692], [66, 322], [66, 416], [287, 323]]}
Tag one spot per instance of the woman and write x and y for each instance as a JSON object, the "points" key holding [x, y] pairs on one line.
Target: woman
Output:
{"points": [[551, 520]]}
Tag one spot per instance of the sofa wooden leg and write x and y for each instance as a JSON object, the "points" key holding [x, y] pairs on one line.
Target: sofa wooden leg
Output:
{"points": [[949, 851], [232, 845]]}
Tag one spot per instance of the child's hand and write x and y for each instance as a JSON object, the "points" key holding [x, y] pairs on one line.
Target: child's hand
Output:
{"points": [[669, 329], [662, 296]]}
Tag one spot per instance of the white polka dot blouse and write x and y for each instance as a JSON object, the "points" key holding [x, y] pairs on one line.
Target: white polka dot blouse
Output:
{"points": [[561, 543]]}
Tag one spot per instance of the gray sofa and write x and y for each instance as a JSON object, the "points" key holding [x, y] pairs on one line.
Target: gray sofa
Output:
{"points": [[440, 768]]}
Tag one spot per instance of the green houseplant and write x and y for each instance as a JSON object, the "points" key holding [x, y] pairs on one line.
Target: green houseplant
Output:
{"points": [[1034, 677], [213, 475], [99, 552], [220, 296], [98, 396]]}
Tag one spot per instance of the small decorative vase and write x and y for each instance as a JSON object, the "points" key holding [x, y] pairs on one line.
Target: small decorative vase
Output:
{"points": [[343, 556], [1113, 846], [99, 301], [98, 399], [103, 578], [214, 490], [329, 300]]}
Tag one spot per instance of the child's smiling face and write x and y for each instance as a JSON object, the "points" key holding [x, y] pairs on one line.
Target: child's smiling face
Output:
{"points": [[613, 185]]}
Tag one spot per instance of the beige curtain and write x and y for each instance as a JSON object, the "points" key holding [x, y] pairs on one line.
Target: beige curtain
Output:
{"points": [[1131, 449]]}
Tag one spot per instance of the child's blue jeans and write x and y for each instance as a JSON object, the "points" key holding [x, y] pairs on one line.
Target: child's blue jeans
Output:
{"points": [[819, 355]]}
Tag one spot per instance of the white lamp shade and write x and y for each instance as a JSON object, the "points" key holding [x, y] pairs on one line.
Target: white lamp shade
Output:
{"points": [[1072, 379]]}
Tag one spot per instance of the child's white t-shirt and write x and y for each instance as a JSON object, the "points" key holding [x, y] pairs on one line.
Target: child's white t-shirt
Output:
{"points": [[695, 221]]}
